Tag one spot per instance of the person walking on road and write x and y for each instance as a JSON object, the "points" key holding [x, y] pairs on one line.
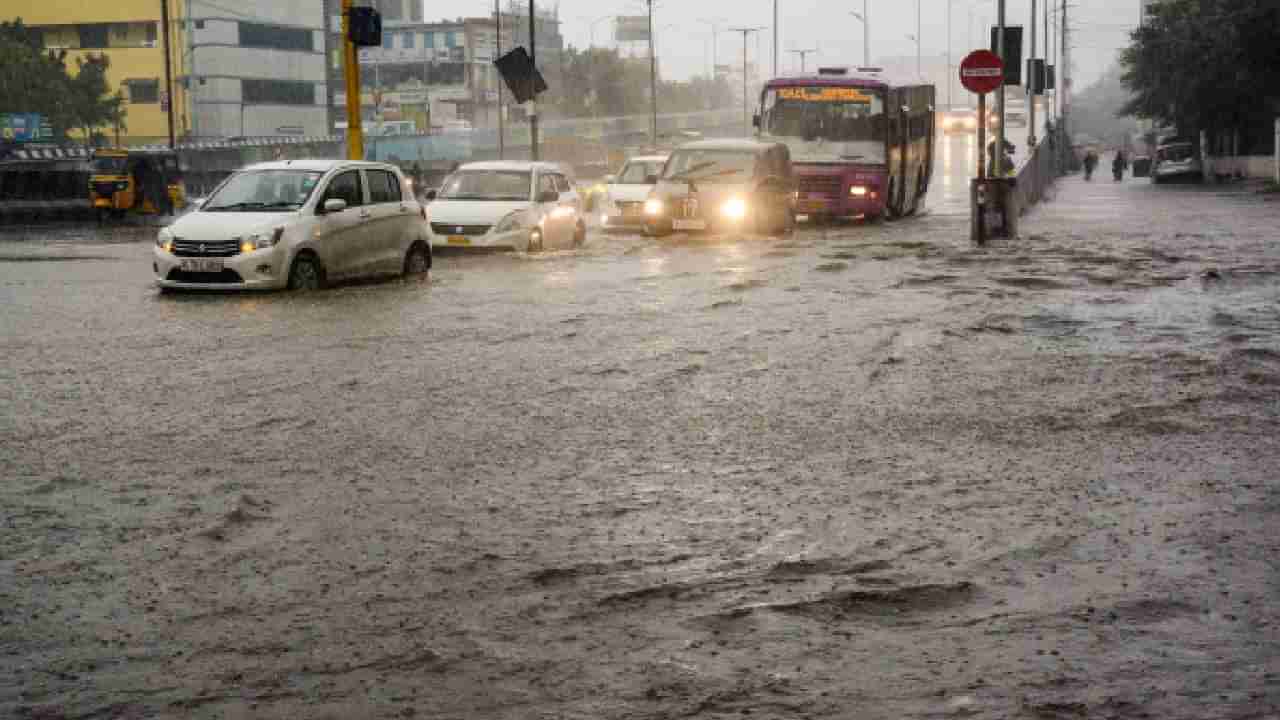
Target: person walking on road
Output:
{"points": [[1090, 163], [1119, 165], [1008, 164]]}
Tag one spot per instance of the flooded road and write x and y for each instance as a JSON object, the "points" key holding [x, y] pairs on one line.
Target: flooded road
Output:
{"points": [[864, 472]]}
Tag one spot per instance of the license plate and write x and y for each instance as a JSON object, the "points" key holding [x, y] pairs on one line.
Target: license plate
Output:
{"points": [[459, 240], [630, 211], [812, 205], [201, 265], [689, 224]]}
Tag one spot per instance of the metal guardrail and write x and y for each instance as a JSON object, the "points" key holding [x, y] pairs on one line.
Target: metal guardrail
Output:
{"points": [[1038, 172]]}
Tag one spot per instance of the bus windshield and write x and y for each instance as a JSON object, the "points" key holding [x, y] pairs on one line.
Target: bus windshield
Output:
{"points": [[826, 124]]}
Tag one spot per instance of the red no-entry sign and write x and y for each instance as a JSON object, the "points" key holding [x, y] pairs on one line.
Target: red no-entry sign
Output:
{"points": [[982, 72]]}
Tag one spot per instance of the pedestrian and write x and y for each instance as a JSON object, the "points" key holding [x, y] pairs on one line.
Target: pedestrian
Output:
{"points": [[1009, 150], [1090, 162], [1119, 165]]}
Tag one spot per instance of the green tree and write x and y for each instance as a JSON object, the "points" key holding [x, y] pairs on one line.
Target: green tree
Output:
{"points": [[33, 80], [1204, 64], [92, 104]]}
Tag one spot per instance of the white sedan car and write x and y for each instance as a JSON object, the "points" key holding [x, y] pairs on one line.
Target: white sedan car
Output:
{"points": [[296, 224], [526, 206], [625, 193]]}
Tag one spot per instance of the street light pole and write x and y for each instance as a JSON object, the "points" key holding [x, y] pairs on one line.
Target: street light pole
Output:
{"points": [[533, 101], [998, 155], [803, 54], [502, 123], [775, 38], [918, 73], [351, 68], [653, 85], [1032, 83], [746, 118], [950, 79]]}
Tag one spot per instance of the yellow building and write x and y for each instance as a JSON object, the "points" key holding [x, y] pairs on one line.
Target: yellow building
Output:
{"points": [[129, 33]]}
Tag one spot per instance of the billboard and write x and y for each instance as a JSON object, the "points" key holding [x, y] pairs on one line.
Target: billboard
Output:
{"points": [[24, 127], [631, 28]]}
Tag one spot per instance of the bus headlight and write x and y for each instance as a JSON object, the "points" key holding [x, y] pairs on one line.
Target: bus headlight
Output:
{"points": [[653, 207], [858, 191], [734, 208]]}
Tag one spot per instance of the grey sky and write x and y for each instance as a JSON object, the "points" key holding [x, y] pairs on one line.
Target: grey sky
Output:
{"points": [[1101, 28]]}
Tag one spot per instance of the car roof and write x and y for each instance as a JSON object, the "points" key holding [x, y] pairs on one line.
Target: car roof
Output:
{"points": [[747, 144], [648, 158], [512, 165], [318, 165]]}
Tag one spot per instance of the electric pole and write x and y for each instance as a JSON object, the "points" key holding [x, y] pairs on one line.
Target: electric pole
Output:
{"points": [[653, 86], [533, 101], [497, 23], [1033, 84], [168, 69], [998, 155], [775, 38], [803, 54], [746, 117]]}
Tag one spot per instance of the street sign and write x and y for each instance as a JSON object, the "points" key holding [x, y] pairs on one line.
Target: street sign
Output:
{"points": [[981, 72]]}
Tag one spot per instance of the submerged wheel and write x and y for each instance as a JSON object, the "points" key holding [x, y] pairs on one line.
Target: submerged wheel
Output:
{"points": [[306, 274], [417, 261]]}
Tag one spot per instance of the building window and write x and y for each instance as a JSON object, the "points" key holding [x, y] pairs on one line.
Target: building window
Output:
{"points": [[428, 40], [143, 92], [275, 37], [407, 41], [451, 40], [277, 92], [387, 40], [151, 33], [94, 36], [199, 24], [415, 11]]}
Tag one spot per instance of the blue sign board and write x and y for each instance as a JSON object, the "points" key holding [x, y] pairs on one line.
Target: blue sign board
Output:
{"points": [[24, 127]]}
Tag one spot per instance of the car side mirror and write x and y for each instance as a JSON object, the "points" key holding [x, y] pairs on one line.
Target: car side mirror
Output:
{"points": [[334, 205], [755, 121], [610, 179], [650, 179], [431, 194], [547, 196]]}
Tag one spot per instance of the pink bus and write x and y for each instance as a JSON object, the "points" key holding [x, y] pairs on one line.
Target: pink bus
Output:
{"points": [[861, 143]]}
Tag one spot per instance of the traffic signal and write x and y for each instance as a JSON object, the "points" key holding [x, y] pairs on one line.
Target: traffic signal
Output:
{"points": [[364, 27], [1012, 52]]}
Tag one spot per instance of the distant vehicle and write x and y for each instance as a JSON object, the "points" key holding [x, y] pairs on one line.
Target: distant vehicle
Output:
{"points": [[861, 141], [519, 205], [622, 202], [143, 182], [1175, 160], [960, 120], [718, 185], [298, 224]]}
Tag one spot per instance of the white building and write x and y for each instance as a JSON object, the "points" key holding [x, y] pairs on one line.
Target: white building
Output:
{"points": [[256, 68]]}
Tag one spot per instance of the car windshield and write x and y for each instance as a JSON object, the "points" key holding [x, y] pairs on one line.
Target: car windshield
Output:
{"points": [[487, 185], [710, 166], [270, 190], [1175, 153], [637, 172], [109, 165], [833, 114]]}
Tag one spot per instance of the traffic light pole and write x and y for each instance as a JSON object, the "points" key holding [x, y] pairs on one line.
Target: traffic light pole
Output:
{"points": [[533, 102], [351, 73]]}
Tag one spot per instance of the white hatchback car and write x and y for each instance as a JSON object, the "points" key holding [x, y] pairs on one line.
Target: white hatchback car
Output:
{"points": [[625, 193], [296, 224], [520, 205]]}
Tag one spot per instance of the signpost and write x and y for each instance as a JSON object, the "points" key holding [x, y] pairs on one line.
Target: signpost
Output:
{"points": [[982, 72]]}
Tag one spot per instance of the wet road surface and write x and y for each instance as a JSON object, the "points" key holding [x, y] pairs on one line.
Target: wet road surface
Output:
{"points": [[863, 472]]}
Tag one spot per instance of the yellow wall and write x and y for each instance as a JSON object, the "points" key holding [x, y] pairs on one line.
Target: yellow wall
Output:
{"points": [[147, 123]]}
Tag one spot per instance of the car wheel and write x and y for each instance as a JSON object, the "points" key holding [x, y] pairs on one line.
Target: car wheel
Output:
{"points": [[417, 261], [535, 241], [580, 234], [306, 274]]}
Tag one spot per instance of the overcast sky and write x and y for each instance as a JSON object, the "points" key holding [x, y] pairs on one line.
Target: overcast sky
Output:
{"points": [[1100, 28]]}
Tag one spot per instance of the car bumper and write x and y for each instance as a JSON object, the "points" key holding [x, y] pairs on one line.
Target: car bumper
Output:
{"points": [[510, 240], [266, 269], [616, 220]]}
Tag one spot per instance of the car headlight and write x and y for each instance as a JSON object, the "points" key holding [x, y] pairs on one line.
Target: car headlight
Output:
{"points": [[164, 240], [653, 206], [734, 208], [858, 191], [261, 241], [513, 221]]}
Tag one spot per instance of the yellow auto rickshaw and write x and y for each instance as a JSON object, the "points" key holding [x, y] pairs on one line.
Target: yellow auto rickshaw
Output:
{"points": [[144, 182]]}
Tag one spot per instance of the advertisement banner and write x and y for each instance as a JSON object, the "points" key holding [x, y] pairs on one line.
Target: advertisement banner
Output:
{"points": [[24, 127], [631, 28]]}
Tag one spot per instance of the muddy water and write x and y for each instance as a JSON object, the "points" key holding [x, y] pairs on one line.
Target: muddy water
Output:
{"points": [[861, 472]]}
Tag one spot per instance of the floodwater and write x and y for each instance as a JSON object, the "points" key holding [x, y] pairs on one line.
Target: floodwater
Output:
{"points": [[862, 472]]}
